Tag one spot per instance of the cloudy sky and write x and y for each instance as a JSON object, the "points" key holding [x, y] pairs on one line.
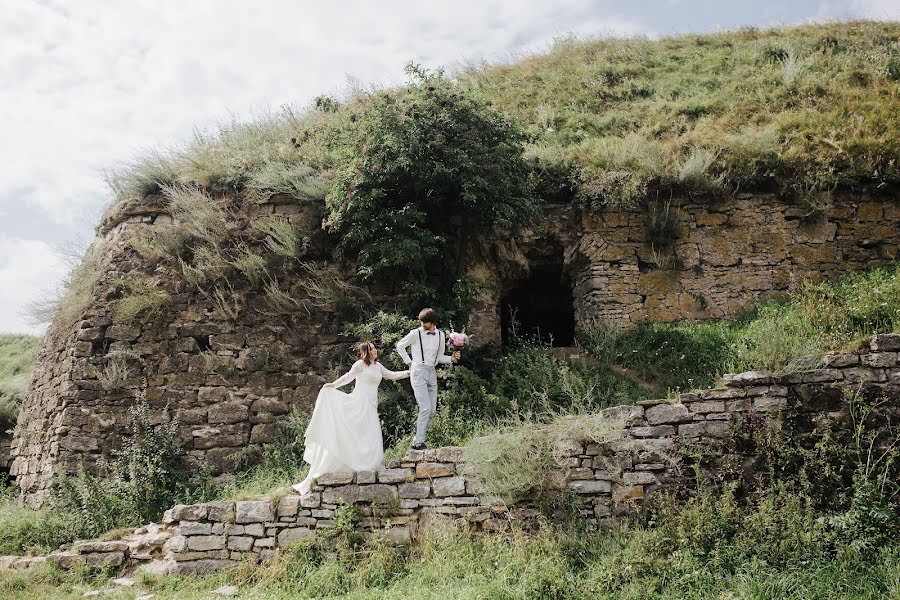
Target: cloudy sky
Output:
{"points": [[86, 84]]}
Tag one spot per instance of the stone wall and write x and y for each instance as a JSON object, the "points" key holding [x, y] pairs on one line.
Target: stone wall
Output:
{"points": [[428, 487], [727, 254], [229, 379]]}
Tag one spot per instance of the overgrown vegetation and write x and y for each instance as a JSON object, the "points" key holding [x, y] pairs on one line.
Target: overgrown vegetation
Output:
{"points": [[514, 461], [17, 356], [145, 478], [801, 110], [775, 537], [779, 336], [421, 171]]}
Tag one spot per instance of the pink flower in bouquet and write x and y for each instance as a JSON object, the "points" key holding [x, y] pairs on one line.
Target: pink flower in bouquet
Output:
{"points": [[457, 341]]}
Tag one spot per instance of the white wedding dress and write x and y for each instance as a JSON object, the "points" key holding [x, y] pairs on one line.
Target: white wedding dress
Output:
{"points": [[344, 433]]}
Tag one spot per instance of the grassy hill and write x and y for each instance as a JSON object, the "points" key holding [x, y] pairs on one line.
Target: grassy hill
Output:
{"points": [[801, 110]]}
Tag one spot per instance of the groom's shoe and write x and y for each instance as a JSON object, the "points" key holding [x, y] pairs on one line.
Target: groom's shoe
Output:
{"points": [[419, 446]]}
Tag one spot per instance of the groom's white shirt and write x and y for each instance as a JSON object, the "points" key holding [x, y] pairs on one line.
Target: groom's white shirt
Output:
{"points": [[433, 350]]}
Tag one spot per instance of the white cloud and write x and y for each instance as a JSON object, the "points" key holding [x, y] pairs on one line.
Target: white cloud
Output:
{"points": [[884, 10], [28, 268]]}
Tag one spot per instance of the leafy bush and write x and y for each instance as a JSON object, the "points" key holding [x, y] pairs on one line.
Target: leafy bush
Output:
{"points": [[144, 479], [420, 171]]}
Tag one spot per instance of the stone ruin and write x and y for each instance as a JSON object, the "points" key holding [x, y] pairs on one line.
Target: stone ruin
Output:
{"points": [[425, 488], [229, 380]]}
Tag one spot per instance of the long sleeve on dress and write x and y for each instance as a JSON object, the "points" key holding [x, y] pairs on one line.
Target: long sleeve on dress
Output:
{"points": [[388, 374], [350, 375], [404, 343]]}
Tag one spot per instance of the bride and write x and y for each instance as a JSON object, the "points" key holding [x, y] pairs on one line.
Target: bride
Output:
{"points": [[344, 433]]}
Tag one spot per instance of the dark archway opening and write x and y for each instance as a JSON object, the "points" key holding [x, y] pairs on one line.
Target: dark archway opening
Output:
{"points": [[540, 308]]}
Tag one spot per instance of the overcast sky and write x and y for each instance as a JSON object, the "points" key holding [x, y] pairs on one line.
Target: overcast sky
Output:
{"points": [[85, 84]]}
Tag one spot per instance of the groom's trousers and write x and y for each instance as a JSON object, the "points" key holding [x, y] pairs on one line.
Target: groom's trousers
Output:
{"points": [[424, 385]]}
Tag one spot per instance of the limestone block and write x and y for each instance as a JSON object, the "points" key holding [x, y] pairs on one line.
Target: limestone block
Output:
{"points": [[863, 374], [240, 543], [593, 486], [769, 403], [840, 360], [452, 454], [426, 470], [221, 512], [629, 414], [747, 378], [707, 406], [91, 547], [448, 486], [394, 475], [176, 543], [293, 535], [288, 506], [653, 431], [101, 560], [415, 489], [349, 494], [254, 511], [227, 412], [340, 478], [885, 342], [879, 360], [363, 477], [194, 528], [204, 543], [667, 413], [311, 500]]}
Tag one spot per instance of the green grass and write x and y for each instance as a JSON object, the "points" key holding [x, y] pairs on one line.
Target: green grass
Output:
{"points": [[778, 336], [799, 109], [633, 563], [17, 356]]}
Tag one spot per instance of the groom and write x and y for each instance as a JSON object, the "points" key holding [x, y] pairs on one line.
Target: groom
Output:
{"points": [[427, 343]]}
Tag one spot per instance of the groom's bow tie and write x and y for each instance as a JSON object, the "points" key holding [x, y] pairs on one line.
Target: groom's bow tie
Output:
{"points": [[430, 333]]}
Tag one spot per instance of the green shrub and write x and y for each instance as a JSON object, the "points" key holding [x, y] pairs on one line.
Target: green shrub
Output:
{"points": [[421, 170], [144, 479], [667, 355]]}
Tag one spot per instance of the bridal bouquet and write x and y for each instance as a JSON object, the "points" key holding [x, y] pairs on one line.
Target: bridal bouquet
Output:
{"points": [[457, 341]]}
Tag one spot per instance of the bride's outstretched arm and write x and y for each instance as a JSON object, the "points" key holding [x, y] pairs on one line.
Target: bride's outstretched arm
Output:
{"points": [[348, 376], [388, 374]]}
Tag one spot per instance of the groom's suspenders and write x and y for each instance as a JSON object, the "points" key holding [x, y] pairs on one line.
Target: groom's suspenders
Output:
{"points": [[422, 347]]}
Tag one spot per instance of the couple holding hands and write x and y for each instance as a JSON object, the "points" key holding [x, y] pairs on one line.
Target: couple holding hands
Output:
{"points": [[344, 433]]}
